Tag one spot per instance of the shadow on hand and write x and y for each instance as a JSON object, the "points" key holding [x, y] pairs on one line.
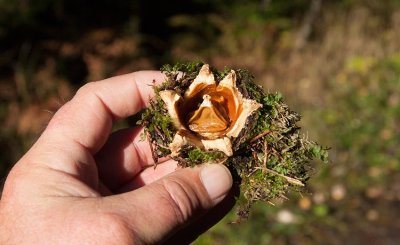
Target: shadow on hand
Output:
{"points": [[193, 230]]}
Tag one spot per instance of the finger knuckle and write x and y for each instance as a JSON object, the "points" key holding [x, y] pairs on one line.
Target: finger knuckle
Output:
{"points": [[87, 88], [182, 198]]}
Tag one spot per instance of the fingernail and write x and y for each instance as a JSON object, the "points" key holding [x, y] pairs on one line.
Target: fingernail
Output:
{"points": [[217, 180]]}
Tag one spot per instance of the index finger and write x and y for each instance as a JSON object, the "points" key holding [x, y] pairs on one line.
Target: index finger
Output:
{"points": [[87, 118], [81, 127]]}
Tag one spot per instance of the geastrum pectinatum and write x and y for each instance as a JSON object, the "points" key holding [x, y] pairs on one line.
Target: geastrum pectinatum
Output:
{"points": [[208, 115], [200, 115]]}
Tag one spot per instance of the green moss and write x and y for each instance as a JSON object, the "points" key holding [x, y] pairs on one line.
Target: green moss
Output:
{"points": [[191, 156], [158, 128], [187, 67], [179, 76], [316, 151]]}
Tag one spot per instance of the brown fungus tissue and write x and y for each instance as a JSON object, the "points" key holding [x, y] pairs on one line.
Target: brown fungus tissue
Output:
{"points": [[200, 115]]}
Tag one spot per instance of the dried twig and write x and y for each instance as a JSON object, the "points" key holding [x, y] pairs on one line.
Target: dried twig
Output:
{"points": [[289, 179], [153, 153], [259, 136]]}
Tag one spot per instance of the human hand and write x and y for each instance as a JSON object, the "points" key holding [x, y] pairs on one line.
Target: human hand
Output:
{"points": [[79, 184]]}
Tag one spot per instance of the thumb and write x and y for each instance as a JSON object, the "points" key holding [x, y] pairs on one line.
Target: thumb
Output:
{"points": [[156, 211]]}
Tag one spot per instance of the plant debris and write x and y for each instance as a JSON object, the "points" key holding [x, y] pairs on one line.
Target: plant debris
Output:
{"points": [[267, 155]]}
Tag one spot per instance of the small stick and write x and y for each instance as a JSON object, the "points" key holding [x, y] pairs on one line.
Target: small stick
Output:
{"points": [[265, 153], [153, 154], [289, 179], [159, 133], [259, 136], [279, 154]]}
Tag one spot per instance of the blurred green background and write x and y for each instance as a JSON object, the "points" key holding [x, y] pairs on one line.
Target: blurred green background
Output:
{"points": [[336, 62]]}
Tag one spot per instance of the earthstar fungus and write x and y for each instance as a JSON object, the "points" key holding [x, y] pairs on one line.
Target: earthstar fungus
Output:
{"points": [[201, 115], [208, 115]]}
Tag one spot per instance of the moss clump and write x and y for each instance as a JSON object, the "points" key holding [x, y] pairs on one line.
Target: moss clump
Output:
{"points": [[191, 156], [158, 128], [270, 155]]}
